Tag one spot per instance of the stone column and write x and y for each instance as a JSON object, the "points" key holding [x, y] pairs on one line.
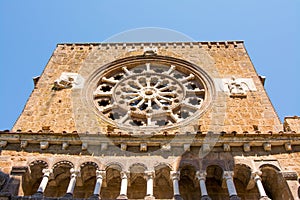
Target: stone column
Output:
{"points": [[260, 187], [230, 185], [99, 179], [175, 176], [44, 182], [124, 184], [72, 183], [149, 175], [201, 176]]}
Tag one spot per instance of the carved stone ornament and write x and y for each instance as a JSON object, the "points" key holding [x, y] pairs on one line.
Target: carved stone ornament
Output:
{"points": [[166, 147], [143, 147], [123, 147], [68, 80], [149, 94], [44, 145], [247, 147], [236, 86], [226, 147], [3, 143], [186, 147], [267, 146]]}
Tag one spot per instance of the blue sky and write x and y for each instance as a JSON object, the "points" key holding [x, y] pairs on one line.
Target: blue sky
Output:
{"points": [[31, 29]]}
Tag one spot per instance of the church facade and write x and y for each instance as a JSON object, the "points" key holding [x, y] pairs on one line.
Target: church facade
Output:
{"points": [[166, 120]]}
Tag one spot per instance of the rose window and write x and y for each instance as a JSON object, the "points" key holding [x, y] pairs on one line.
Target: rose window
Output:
{"points": [[150, 94]]}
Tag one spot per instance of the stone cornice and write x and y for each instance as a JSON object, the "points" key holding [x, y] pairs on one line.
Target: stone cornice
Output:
{"points": [[267, 141], [175, 43]]}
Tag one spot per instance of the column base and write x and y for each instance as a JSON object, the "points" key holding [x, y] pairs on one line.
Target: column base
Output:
{"points": [[177, 197], [206, 197], [121, 197], [95, 197], [38, 195], [234, 197], [68, 196], [264, 198], [150, 197]]}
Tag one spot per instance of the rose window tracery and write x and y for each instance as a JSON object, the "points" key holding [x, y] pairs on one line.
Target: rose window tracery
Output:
{"points": [[149, 94]]}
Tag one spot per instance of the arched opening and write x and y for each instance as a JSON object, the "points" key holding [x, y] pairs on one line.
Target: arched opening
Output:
{"points": [[188, 185], [33, 177], [214, 183], [86, 182], [245, 187], [274, 184], [138, 185], [113, 182], [162, 182], [57, 187]]}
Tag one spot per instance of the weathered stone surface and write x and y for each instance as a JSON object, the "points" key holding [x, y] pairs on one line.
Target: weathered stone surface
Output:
{"points": [[59, 131]]}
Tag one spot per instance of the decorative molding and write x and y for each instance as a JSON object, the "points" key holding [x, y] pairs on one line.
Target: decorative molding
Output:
{"points": [[123, 147], [187, 147], [3, 143], [267, 146], [84, 146], [44, 145], [235, 87], [104, 146], [206, 148], [166, 147], [290, 175], [247, 147], [288, 146], [143, 147], [65, 145], [226, 147], [68, 80]]}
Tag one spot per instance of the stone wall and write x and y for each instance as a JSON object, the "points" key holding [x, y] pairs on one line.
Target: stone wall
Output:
{"points": [[64, 110]]}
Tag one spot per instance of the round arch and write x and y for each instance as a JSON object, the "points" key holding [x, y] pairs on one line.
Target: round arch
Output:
{"points": [[274, 183]]}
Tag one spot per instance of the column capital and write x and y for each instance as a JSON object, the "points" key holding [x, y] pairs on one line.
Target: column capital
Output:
{"points": [[175, 175], [201, 175], [125, 174], [149, 174], [257, 172], [228, 175], [47, 172], [74, 173], [100, 174]]}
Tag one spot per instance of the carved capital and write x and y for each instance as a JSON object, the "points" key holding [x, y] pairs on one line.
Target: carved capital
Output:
{"points": [[175, 175], [47, 172], [149, 175], [100, 174], [124, 174], [201, 175], [74, 172], [228, 175]]}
